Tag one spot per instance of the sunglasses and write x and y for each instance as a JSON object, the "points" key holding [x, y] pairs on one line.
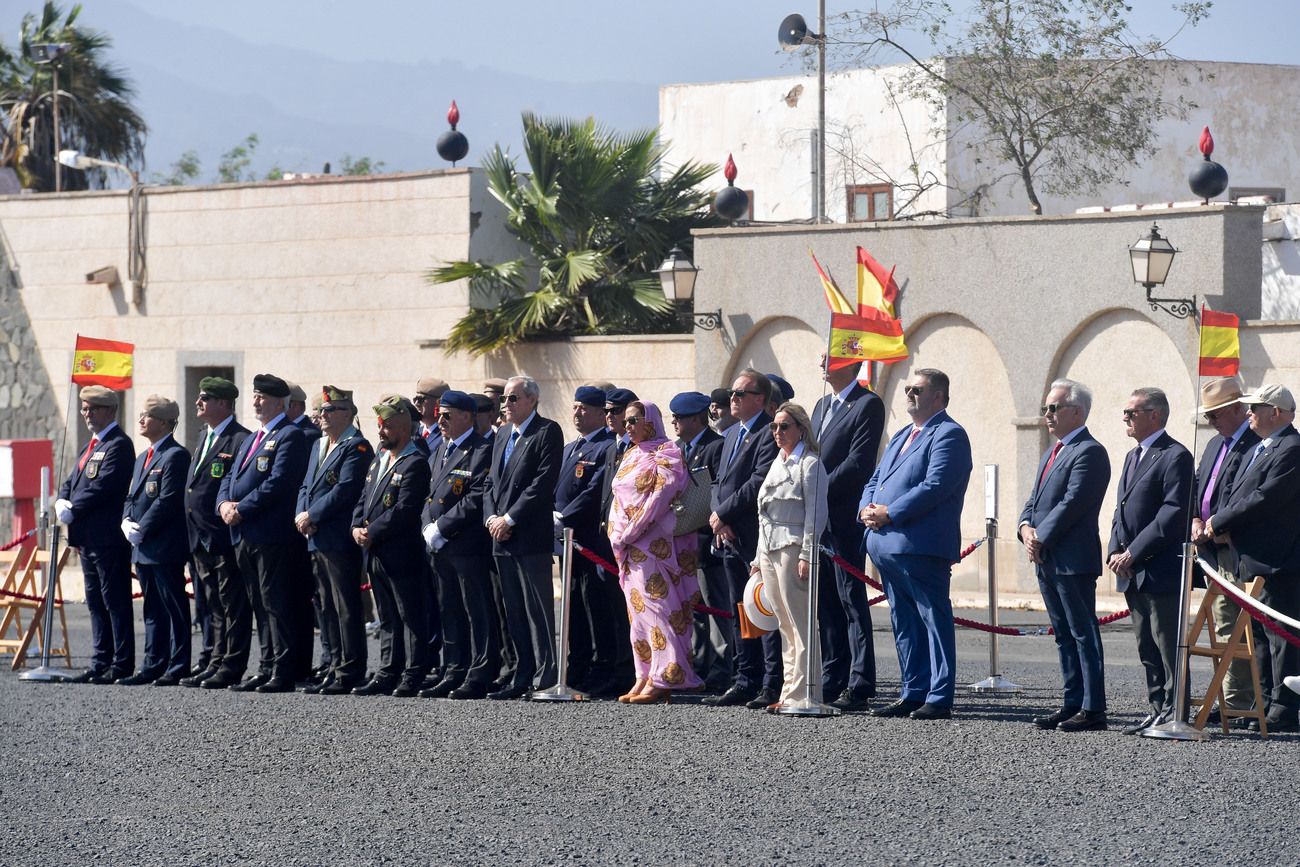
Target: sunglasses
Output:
{"points": [[913, 390], [1129, 413], [512, 398], [632, 422], [780, 425], [1259, 408], [739, 393], [1054, 408], [205, 397], [419, 398], [444, 416], [331, 409], [1212, 415]]}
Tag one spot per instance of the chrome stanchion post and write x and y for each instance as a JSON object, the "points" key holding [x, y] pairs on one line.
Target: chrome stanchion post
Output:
{"points": [[50, 575], [561, 690], [1178, 729], [806, 706], [995, 683]]}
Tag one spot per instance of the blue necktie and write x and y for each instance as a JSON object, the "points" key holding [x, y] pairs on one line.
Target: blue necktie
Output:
{"points": [[1259, 450], [510, 448], [740, 438]]}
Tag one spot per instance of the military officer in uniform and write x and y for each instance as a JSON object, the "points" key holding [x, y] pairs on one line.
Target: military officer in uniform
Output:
{"points": [[427, 398]]}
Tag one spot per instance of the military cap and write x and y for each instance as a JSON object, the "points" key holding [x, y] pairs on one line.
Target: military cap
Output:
{"points": [[720, 396], [786, 389], [458, 400], [98, 395], [1274, 395], [483, 403], [494, 387], [218, 387], [617, 398], [689, 403], [589, 395], [270, 385], [161, 408], [296, 392], [393, 406], [334, 394], [432, 386]]}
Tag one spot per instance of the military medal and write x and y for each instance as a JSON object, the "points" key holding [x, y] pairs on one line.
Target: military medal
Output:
{"points": [[331, 478], [577, 471], [263, 463]]}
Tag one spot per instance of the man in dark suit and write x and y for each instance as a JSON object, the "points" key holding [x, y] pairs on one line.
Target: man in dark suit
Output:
{"points": [[153, 521], [701, 448], [305, 601], [386, 524], [212, 555], [1259, 519], [912, 509], [519, 508], [1151, 525], [1224, 454], [256, 501], [596, 639], [848, 424], [1059, 530], [747, 452], [90, 504], [336, 473], [460, 551]]}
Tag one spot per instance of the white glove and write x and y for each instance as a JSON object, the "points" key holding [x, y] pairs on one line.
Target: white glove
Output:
{"points": [[559, 523], [131, 530], [63, 510], [430, 530]]}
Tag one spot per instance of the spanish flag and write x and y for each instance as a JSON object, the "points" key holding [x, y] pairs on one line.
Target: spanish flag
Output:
{"points": [[102, 362], [835, 299], [1220, 349], [876, 287], [871, 337]]}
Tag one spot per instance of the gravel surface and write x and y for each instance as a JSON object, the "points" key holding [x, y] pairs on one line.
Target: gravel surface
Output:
{"points": [[145, 775]]}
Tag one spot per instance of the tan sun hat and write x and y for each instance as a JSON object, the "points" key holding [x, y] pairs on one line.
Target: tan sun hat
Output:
{"points": [[1218, 393]]}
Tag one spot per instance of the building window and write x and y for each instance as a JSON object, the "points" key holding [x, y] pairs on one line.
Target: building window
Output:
{"points": [[1276, 194], [870, 202]]}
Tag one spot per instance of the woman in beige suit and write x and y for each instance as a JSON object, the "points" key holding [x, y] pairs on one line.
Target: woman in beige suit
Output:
{"points": [[791, 518]]}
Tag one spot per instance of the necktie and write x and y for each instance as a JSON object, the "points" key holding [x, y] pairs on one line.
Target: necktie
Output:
{"points": [[1214, 478], [907, 445], [1130, 465], [81, 464], [207, 444], [686, 452], [148, 457], [1259, 450], [830, 412], [257, 441], [510, 448], [446, 452], [741, 432], [1051, 459]]}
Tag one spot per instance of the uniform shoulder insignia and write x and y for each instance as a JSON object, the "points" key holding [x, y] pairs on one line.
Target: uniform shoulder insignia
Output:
{"points": [[362, 447]]}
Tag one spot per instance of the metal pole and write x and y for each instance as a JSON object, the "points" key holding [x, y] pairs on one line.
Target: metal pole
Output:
{"points": [[561, 690], [50, 575], [995, 683], [1178, 729], [821, 111], [58, 167]]}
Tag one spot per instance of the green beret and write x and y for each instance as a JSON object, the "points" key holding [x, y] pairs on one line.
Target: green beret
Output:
{"points": [[394, 406], [334, 394], [218, 387]]}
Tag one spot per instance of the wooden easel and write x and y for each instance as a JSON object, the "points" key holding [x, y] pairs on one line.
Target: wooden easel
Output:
{"points": [[1240, 645], [22, 579]]}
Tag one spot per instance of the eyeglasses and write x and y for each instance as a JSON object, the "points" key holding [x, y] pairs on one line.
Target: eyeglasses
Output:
{"points": [[739, 393], [1212, 415], [512, 398], [780, 425], [444, 416], [331, 409], [632, 422], [913, 390], [419, 398], [1258, 408], [205, 397], [1054, 408], [1129, 413]]}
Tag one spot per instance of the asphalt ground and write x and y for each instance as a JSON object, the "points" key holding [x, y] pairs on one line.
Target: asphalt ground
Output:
{"points": [[117, 775]]}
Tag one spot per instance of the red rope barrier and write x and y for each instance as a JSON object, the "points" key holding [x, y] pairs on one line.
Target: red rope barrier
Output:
{"points": [[613, 570], [16, 542], [16, 595]]}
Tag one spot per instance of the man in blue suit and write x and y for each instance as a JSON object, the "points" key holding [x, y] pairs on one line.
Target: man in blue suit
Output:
{"points": [[154, 522], [256, 501], [848, 424], [1152, 521], [1059, 530], [336, 473], [912, 509], [90, 504], [747, 453]]}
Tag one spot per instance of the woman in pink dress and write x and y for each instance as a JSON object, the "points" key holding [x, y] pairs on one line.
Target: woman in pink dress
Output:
{"points": [[656, 570]]}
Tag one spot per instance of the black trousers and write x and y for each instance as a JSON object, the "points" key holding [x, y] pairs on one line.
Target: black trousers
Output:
{"points": [[343, 624], [267, 570], [166, 618], [530, 617], [302, 608], [403, 603], [509, 659], [601, 616], [478, 645], [1281, 593], [848, 648], [107, 574], [203, 617], [217, 578], [714, 652]]}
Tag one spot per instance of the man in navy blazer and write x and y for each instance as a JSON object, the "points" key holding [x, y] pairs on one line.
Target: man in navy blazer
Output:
{"points": [[912, 509], [519, 511], [90, 504], [848, 424], [212, 555], [1259, 520], [153, 521], [597, 623], [1151, 524], [747, 453], [257, 501], [1059, 529], [336, 473]]}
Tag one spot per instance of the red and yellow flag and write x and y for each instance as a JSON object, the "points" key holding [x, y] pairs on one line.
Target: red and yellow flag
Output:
{"points": [[876, 287], [835, 298], [1220, 348], [102, 362], [873, 337]]}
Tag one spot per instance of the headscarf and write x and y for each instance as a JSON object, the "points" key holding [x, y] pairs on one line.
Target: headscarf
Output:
{"points": [[656, 419]]}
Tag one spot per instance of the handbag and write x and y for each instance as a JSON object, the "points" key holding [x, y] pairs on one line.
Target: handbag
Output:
{"points": [[694, 504]]}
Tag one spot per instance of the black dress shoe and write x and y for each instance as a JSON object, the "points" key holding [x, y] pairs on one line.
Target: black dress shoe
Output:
{"points": [[109, 676], [1282, 723], [931, 711], [140, 678], [197, 679], [1051, 721], [441, 689], [276, 684], [375, 686], [251, 684], [853, 700], [1139, 726], [168, 680], [1084, 721], [220, 680], [406, 689], [317, 687], [339, 687], [765, 696], [732, 697], [900, 708], [509, 693], [87, 676], [468, 690]]}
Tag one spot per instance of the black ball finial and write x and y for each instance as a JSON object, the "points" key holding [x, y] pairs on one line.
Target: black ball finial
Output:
{"points": [[731, 202], [452, 144], [1208, 179]]}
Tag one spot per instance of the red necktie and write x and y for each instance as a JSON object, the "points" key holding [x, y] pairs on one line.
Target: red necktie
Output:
{"points": [[81, 464], [1050, 460], [907, 445], [148, 457], [257, 441]]}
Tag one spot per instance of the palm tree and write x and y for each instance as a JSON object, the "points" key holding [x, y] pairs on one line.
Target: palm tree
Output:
{"points": [[95, 113], [597, 220]]}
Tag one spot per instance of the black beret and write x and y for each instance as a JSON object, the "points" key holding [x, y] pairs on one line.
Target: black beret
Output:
{"points": [[458, 400], [720, 396], [483, 403], [271, 386], [786, 389], [619, 397], [689, 403], [590, 395]]}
